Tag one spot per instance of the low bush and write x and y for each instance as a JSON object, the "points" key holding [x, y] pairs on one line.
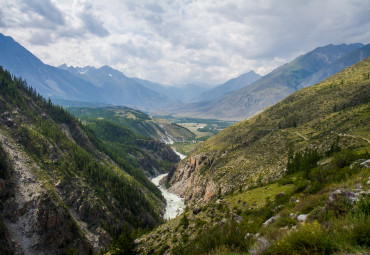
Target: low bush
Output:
{"points": [[363, 206], [309, 203], [361, 231], [285, 221], [230, 235], [310, 238]]}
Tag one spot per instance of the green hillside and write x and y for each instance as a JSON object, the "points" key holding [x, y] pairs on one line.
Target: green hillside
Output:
{"points": [[256, 150], [292, 180], [138, 122], [70, 188], [150, 156]]}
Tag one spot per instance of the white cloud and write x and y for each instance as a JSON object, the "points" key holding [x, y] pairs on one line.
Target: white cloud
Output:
{"points": [[176, 41]]}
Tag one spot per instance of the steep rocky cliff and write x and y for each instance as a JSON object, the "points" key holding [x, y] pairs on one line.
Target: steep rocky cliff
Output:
{"points": [[187, 184]]}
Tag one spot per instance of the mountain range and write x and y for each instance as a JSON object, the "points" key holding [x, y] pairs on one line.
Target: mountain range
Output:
{"points": [[90, 85], [103, 85], [180, 94], [291, 179], [256, 149], [236, 99], [303, 71]]}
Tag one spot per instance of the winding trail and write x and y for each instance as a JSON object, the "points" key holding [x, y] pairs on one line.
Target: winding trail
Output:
{"points": [[301, 136], [358, 137]]}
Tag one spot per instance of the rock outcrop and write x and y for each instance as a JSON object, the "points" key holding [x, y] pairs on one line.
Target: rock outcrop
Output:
{"points": [[33, 215], [188, 183]]}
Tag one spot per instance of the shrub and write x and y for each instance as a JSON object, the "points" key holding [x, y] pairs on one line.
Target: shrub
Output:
{"points": [[308, 239], [4, 172], [285, 220], [363, 206], [230, 235], [344, 159], [339, 205], [314, 188], [300, 186], [184, 221], [309, 203], [361, 231], [124, 244], [163, 249], [200, 222]]}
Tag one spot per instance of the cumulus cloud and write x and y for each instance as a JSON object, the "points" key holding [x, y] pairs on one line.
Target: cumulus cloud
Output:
{"points": [[180, 41], [1, 19], [42, 38], [91, 23], [45, 9]]}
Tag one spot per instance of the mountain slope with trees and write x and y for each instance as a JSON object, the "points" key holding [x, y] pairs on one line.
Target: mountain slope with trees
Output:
{"points": [[138, 122], [61, 188]]}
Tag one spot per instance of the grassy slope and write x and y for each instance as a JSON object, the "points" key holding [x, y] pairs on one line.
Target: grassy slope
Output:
{"points": [[233, 224], [255, 153], [257, 149]]}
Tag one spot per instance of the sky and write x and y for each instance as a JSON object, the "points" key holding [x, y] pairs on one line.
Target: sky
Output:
{"points": [[182, 41]]}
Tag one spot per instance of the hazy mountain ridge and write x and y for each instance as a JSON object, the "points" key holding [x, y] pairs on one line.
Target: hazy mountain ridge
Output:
{"points": [[57, 83], [109, 86], [274, 86], [117, 89], [49, 81], [229, 86], [183, 94], [349, 59]]}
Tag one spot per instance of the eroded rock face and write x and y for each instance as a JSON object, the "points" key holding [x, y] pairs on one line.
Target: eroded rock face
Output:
{"points": [[36, 221], [88, 210], [187, 181]]}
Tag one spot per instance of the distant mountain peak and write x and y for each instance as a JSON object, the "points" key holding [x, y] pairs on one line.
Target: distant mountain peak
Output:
{"points": [[87, 84], [63, 66], [5, 37], [229, 86], [305, 70]]}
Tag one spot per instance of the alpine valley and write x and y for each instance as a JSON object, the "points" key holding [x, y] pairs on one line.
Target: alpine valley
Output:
{"points": [[80, 145]]}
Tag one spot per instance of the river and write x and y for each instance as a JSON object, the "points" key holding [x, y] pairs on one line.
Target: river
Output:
{"points": [[175, 204], [182, 156]]}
